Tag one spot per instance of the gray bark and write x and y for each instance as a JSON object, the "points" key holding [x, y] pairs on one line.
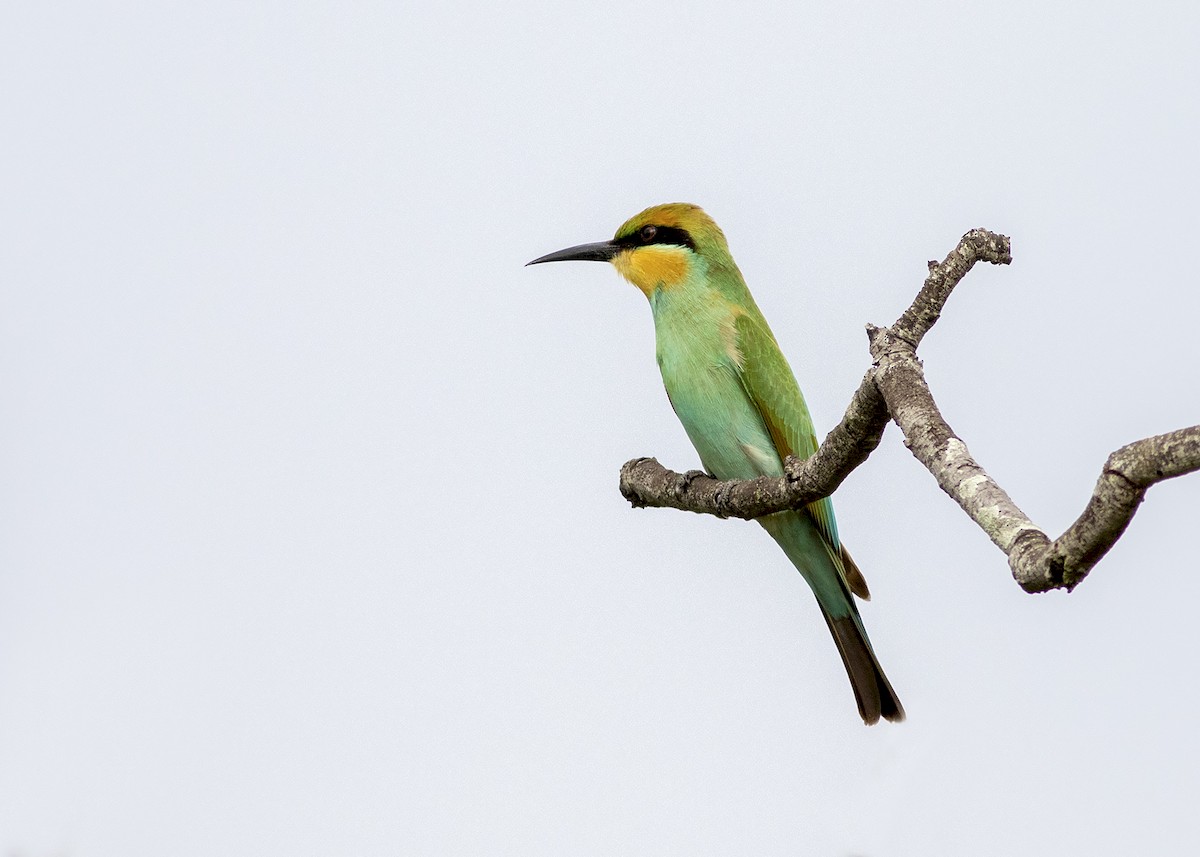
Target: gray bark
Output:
{"points": [[895, 388]]}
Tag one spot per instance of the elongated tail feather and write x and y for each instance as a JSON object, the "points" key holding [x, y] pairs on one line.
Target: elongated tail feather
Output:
{"points": [[872, 691], [832, 582]]}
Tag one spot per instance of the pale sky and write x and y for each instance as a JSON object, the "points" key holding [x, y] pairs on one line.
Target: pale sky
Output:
{"points": [[311, 540]]}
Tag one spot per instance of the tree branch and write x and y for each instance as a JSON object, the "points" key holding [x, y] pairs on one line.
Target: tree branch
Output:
{"points": [[645, 482], [1038, 564], [895, 388]]}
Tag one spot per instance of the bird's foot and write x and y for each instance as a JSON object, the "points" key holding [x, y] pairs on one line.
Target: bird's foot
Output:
{"points": [[684, 483]]}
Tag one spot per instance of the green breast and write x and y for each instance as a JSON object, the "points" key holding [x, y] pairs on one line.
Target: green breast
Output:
{"points": [[695, 349]]}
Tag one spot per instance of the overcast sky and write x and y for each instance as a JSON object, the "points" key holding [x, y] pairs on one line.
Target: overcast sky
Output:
{"points": [[310, 539]]}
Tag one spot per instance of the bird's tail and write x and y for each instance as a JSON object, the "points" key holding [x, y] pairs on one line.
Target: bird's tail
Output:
{"points": [[817, 562], [872, 691]]}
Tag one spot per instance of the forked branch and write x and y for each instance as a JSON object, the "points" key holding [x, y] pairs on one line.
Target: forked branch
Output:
{"points": [[895, 388]]}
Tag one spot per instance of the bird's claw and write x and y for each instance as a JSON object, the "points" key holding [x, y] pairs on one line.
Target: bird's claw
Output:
{"points": [[684, 483]]}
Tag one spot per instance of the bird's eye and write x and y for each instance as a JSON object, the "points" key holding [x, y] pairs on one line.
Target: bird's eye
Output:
{"points": [[647, 234]]}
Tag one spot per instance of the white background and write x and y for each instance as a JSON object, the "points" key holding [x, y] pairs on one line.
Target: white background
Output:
{"points": [[310, 541]]}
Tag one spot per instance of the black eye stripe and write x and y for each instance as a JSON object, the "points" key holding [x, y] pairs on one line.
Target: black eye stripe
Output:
{"points": [[662, 235]]}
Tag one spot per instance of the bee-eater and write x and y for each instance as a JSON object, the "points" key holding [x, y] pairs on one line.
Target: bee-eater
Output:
{"points": [[739, 402]]}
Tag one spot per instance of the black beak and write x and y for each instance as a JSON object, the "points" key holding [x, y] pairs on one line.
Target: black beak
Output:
{"points": [[601, 251]]}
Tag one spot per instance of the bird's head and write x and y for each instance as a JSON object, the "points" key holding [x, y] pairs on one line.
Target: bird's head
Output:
{"points": [[662, 247]]}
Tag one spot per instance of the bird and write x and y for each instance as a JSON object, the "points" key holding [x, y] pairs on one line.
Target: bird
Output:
{"points": [[740, 404]]}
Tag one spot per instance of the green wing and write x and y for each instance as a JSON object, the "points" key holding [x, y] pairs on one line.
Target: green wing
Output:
{"points": [[772, 387]]}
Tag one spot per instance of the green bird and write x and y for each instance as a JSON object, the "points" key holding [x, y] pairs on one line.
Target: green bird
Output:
{"points": [[739, 402]]}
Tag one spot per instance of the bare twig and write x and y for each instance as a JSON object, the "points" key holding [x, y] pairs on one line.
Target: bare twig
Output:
{"points": [[1040, 565], [978, 245], [895, 388]]}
